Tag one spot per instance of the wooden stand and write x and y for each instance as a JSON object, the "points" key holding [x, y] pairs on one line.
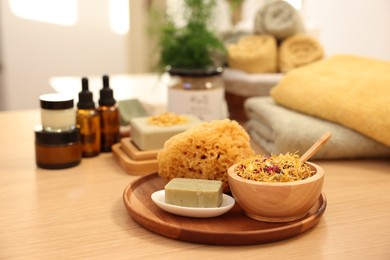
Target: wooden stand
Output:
{"points": [[133, 160]]}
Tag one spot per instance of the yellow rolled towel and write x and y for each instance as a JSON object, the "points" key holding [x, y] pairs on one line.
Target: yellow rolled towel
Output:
{"points": [[299, 50], [350, 90], [279, 19], [254, 54]]}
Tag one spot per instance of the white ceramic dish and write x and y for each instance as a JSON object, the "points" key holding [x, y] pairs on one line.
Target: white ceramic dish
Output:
{"points": [[158, 197]]}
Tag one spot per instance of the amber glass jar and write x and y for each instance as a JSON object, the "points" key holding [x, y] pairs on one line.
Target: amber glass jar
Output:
{"points": [[57, 150]]}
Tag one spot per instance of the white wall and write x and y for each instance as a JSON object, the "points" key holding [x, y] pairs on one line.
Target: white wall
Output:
{"points": [[352, 26], [32, 52]]}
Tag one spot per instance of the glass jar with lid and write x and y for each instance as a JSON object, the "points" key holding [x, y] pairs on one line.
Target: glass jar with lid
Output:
{"points": [[198, 92], [57, 112]]}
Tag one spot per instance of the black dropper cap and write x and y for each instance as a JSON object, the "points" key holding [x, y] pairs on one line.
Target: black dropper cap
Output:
{"points": [[85, 96], [106, 93]]}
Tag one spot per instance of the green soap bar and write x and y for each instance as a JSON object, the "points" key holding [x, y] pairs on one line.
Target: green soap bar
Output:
{"points": [[129, 109], [194, 193]]}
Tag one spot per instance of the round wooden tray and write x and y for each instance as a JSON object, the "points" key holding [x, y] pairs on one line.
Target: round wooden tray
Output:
{"points": [[232, 228]]}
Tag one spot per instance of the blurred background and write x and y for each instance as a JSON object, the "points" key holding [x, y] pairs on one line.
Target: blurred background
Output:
{"points": [[41, 39]]}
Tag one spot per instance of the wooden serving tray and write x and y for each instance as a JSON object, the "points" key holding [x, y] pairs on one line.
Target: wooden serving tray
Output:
{"points": [[232, 228], [135, 153], [131, 166]]}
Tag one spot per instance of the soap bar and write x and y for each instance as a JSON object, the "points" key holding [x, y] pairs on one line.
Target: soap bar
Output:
{"points": [[129, 109], [194, 193], [152, 137]]}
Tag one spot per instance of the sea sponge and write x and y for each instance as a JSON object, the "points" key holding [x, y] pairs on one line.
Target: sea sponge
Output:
{"points": [[205, 151]]}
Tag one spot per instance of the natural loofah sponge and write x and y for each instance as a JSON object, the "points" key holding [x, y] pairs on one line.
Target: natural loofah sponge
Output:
{"points": [[205, 151]]}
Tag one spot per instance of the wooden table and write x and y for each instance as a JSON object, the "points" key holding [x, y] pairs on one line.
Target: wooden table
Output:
{"points": [[78, 213]]}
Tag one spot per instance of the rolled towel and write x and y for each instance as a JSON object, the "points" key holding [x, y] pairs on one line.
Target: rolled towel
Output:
{"points": [[299, 50], [254, 54], [350, 90], [278, 18], [280, 130]]}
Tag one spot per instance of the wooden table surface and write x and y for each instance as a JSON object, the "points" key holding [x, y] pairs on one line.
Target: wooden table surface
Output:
{"points": [[78, 213]]}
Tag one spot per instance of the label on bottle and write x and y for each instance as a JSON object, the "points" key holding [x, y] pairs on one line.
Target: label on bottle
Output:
{"points": [[205, 104]]}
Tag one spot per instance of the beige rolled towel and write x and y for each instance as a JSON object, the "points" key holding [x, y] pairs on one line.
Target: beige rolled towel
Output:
{"points": [[278, 18], [299, 50], [254, 54]]}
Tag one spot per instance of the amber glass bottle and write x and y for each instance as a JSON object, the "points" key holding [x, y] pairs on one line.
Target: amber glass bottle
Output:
{"points": [[109, 117], [88, 121]]}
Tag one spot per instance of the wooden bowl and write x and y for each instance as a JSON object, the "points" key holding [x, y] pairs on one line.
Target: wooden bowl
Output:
{"points": [[276, 202]]}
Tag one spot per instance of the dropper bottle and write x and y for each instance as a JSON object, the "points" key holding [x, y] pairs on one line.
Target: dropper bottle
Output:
{"points": [[88, 121], [109, 117]]}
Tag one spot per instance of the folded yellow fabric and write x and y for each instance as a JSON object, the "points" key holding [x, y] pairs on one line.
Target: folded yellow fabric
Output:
{"points": [[254, 54], [299, 50], [279, 19], [350, 90]]}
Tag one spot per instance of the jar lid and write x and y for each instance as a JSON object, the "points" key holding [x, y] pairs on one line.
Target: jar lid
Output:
{"points": [[56, 101], [205, 72], [56, 138]]}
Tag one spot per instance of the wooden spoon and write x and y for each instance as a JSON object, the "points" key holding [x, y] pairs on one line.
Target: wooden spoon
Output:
{"points": [[315, 147]]}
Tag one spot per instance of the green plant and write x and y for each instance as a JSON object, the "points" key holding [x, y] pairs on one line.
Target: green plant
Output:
{"points": [[194, 45]]}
